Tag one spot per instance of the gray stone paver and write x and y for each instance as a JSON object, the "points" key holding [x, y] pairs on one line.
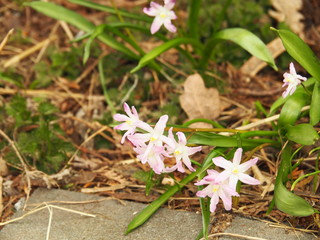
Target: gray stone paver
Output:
{"points": [[113, 218]]}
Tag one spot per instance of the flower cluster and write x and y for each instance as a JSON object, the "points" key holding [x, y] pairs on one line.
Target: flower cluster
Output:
{"points": [[223, 185], [151, 145]]}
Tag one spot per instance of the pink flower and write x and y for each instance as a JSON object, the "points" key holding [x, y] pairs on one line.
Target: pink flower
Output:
{"points": [[154, 157], [154, 137], [163, 15], [235, 171], [215, 190], [292, 80], [180, 151], [131, 121]]}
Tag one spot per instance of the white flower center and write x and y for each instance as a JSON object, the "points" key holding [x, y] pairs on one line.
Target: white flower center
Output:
{"points": [[235, 171], [215, 188]]}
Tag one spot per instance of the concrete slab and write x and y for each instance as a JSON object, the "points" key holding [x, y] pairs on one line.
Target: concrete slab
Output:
{"points": [[110, 223], [253, 228], [112, 219]]}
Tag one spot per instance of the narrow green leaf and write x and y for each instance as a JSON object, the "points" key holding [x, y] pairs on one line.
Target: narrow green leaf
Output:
{"points": [[147, 212], [315, 105], [60, 13], [245, 39], [111, 10], [212, 139], [303, 134], [300, 51], [292, 108], [162, 48], [193, 19], [98, 30]]}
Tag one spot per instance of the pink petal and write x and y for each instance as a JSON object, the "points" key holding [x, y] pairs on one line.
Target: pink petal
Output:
{"points": [[161, 124], [193, 150], [127, 109], [187, 162], [156, 24], [227, 201], [180, 167], [221, 162], [248, 164], [301, 77], [150, 11], [120, 117], [169, 4], [182, 138], [168, 25], [223, 176], [233, 180], [155, 5], [292, 69], [245, 178], [237, 156], [213, 202]]}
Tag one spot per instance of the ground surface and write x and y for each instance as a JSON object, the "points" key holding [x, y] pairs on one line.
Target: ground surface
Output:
{"points": [[103, 166]]}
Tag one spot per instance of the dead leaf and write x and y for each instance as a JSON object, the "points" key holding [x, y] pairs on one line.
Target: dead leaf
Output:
{"points": [[198, 101], [290, 14]]}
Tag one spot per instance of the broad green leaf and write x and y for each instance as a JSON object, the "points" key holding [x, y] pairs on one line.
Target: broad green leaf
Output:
{"points": [[285, 200], [315, 105], [292, 108], [112, 10], [300, 51], [290, 203], [303, 134], [147, 212], [245, 39], [162, 48], [75, 19]]}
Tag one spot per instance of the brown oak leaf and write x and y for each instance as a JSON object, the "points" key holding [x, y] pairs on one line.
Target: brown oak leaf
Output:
{"points": [[198, 101]]}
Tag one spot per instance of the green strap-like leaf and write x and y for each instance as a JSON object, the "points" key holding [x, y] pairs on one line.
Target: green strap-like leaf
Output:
{"points": [[245, 39], [300, 51], [212, 139], [315, 105], [75, 19], [111, 10], [162, 48]]}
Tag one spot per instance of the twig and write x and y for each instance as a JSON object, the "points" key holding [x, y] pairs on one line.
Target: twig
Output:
{"points": [[15, 59], [1, 201], [44, 207], [23, 163], [5, 40], [84, 142], [234, 235], [50, 221]]}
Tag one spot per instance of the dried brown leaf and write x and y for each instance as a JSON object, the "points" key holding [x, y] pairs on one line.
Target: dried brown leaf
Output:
{"points": [[289, 13], [198, 101]]}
